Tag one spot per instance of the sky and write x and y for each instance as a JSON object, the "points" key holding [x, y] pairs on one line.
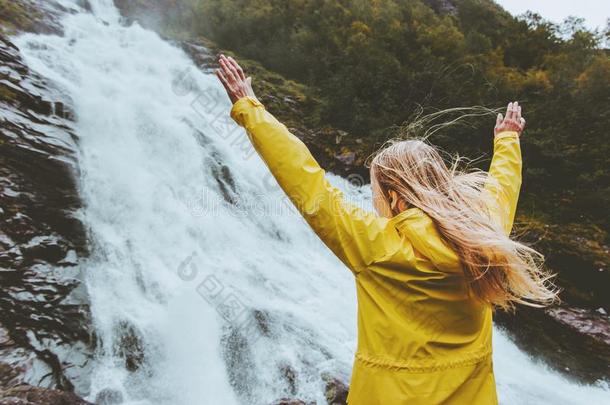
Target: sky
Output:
{"points": [[595, 12]]}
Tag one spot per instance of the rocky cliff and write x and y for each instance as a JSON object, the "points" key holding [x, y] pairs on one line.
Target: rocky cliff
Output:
{"points": [[44, 334]]}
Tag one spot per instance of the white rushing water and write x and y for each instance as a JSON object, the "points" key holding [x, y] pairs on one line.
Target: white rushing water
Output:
{"points": [[199, 267]]}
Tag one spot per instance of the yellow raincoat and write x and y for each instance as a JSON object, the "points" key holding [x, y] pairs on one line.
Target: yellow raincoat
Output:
{"points": [[421, 339]]}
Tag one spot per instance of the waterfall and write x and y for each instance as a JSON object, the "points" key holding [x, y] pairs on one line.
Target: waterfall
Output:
{"points": [[206, 287]]}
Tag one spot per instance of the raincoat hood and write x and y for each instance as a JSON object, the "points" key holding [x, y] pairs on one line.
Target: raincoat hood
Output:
{"points": [[421, 231]]}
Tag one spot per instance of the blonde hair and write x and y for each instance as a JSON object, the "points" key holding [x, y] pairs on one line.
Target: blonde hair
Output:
{"points": [[498, 270]]}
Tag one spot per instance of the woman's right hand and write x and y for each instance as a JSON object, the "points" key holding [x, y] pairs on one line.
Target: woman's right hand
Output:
{"points": [[513, 121], [233, 79]]}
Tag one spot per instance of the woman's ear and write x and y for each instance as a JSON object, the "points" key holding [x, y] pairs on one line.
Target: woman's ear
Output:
{"points": [[393, 199], [397, 204]]}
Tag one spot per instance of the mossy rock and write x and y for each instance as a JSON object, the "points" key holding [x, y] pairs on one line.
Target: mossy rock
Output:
{"points": [[16, 16], [7, 95], [577, 252]]}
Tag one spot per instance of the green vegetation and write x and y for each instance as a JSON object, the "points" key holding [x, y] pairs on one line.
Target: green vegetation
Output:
{"points": [[14, 16], [578, 251]]}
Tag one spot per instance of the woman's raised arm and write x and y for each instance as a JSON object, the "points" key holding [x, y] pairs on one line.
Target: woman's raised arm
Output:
{"points": [[355, 235], [505, 170]]}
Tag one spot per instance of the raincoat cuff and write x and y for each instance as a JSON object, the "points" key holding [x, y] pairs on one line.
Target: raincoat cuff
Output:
{"points": [[505, 135], [241, 106]]}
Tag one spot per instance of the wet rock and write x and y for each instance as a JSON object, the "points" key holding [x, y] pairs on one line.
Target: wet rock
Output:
{"points": [[290, 376], [14, 401], [10, 376], [39, 200], [85, 5], [203, 56], [29, 395], [336, 390], [585, 322], [5, 339], [287, 401], [129, 346], [262, 322], [108, 396], [47, 248], [224, 180], [336, 393]]}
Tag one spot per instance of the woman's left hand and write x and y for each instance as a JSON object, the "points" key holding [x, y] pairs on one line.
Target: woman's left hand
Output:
{"points": [[233, 79], [513, 121]]}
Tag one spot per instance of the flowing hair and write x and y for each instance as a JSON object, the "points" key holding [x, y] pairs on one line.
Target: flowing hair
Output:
{"points": [[498, 270]]}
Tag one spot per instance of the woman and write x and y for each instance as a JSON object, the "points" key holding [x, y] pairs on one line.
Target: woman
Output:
{"points": [[429, 268]]}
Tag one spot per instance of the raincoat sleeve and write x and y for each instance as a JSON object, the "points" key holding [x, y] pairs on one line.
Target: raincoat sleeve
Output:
{"points": [[355, 236], [505, 178]]}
